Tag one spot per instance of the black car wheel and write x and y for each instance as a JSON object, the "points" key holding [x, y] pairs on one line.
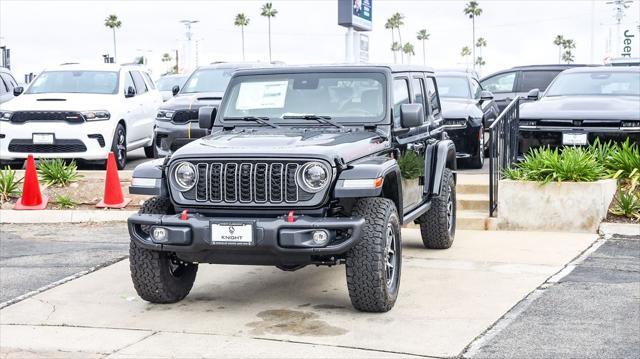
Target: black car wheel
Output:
{"points": [[159, 277], [477, 161], [119, 146], [151, 151]]}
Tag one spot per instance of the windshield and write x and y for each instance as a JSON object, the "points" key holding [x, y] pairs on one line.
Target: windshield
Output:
{"points": [[287, 97], [596, 83], [208, 80], [453, 87], [94, 82], [166, 83]]}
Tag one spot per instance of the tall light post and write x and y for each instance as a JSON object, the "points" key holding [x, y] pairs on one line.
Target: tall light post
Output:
{"points": [[188, 35], [620, 6]]}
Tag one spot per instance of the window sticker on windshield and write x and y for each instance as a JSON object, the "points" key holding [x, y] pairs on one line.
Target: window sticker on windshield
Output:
{"points": [[255, 95]]}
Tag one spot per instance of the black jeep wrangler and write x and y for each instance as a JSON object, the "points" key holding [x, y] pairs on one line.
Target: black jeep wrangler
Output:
{"points": [[304, 165]]}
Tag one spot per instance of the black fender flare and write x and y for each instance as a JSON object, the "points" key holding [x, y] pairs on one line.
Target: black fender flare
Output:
{"points": [[439, 155], [148, 178], [372, 168]]}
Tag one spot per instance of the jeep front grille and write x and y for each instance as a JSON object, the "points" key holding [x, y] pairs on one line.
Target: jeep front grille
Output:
{"points": [[249, 182]]}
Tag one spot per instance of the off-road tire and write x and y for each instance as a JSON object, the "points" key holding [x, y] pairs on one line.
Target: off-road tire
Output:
{"points": [[159, 277], [434, 224], [365, 265]]}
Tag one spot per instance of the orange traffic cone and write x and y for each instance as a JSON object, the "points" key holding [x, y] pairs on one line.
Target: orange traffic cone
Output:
{"points": [[113, 197], [31, 196]]}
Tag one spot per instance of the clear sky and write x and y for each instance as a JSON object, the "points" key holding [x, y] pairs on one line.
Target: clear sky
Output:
{"points": [[49, 32]]}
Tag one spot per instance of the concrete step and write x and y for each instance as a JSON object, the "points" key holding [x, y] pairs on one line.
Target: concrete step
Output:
{"points": [[472, 220], [473, 202], [472, 189]]}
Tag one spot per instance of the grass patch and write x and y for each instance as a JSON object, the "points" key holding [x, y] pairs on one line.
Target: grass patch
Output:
{"points": [[572, 164], [9, 184], [57, 172], [65, 202], [626, 204]]}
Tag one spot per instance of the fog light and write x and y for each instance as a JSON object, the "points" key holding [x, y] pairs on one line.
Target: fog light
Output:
{"points": [[320, 238], [159, 234]]}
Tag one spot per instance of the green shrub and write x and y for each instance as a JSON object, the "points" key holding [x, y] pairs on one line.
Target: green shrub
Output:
{"points": [[65, 201], [9, 184], [572, 164], [411, 165], [627, 204], [57, 172], [623, 160]]}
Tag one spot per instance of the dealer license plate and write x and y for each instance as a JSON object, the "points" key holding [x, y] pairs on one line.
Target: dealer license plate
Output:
{"points": [[574, 139], [232, 234], [42, 138]]}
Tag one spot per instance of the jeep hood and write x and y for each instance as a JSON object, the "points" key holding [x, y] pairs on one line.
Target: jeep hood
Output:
{"points": [[582, 108], [460, 108], [192, 101], [62, 102], [308, 143]]}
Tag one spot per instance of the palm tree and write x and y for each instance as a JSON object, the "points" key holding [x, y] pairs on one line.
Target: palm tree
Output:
{"points": [[397, 21], [480, 62], [408, 49], [241, 20], [558, 42], [568, 45], [464, 53], [480, 43], [567, 57], [423, 36], [390, 25], [395, 47], [268, 11], [113, 23], [472, 10]]}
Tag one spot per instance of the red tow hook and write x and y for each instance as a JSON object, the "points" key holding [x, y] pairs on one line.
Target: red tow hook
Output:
{"points": [[185, 215], [290, 217]]}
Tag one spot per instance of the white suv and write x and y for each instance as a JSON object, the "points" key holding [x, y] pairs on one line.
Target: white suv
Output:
{"points": [[80, 111]]}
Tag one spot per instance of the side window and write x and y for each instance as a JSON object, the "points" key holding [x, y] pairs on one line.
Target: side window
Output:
{"points": [[400, 96], [141, 87], [128, 81], [9, 82], [149, 80], [418, 92], [536, 80], [475, 89], [500, 83], [432, 94], [3, 87]]}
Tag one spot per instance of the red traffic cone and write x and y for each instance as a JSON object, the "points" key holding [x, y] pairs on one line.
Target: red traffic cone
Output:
{"points": [[113, 197], [31, 196]]}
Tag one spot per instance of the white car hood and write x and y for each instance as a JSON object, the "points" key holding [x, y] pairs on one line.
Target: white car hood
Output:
{"points": [[62, 102]]}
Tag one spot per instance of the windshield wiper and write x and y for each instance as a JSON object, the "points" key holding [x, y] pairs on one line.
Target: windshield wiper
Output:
{"points": [[260, 120], [323, 119]]}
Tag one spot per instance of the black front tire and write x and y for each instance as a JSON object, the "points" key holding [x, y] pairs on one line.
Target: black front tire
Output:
{"points": [[477, 161], [374, 264], [119, 146], [150, 151], [159, 277], [438, 224]]}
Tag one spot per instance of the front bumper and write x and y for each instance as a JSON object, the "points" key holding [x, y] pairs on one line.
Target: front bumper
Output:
{"points": [[538, 136], [89, 140], [465, 138], [171, 136], [192, 238]]}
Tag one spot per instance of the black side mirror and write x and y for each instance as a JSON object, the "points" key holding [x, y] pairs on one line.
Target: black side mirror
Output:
{"points": [[486, 95], [533, 94], [206, 116], [411, 115], [17, 91], [175, 89], [131, 91]]}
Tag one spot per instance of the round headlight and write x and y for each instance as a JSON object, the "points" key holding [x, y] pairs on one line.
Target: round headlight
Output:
{"points": [[314, 176], [185, 176]]}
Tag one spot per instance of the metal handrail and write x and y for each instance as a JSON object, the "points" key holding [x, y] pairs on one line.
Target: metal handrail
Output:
{"points": [[503, 148]]}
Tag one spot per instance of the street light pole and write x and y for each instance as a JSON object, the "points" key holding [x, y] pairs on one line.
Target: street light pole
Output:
{"points": [[188, 35]]}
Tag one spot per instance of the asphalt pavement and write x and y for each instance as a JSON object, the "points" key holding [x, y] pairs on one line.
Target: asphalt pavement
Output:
{"points": [[593, 312]]}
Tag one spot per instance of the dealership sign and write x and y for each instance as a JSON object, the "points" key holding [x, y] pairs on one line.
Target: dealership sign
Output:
{"points": [[355, 14], [627, 42]]}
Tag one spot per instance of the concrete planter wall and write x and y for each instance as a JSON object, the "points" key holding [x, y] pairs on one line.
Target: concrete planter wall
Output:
{"points": [[557, 206]]}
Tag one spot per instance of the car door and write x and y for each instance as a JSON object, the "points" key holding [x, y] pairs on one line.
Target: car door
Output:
{"points": [[146, 109], [133, 110], [502, 86]]}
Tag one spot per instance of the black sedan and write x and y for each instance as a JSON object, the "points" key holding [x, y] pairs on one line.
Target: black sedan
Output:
{"points": [[583, 104], [467, 110]]}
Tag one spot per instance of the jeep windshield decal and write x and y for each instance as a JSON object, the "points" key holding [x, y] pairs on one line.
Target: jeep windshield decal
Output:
{"points": [[290, 98]]}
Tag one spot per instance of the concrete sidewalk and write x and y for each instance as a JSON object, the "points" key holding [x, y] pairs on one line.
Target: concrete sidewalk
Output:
{"points": [[447, 299]]}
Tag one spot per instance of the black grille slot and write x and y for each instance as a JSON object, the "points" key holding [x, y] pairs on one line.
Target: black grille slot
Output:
{"points": [[201, 185], [215, 188], [60, 146], [230, 184], [66, 116], [245, 182], [99, 138], [275, 187], [184, 116], [261, 182], [291, 193]]}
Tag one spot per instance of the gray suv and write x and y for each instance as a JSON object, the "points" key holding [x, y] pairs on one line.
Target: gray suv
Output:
{"points": [[317, 165]]}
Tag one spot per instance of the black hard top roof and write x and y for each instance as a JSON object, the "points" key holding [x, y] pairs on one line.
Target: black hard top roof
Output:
{"points": [[337, 67]]}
